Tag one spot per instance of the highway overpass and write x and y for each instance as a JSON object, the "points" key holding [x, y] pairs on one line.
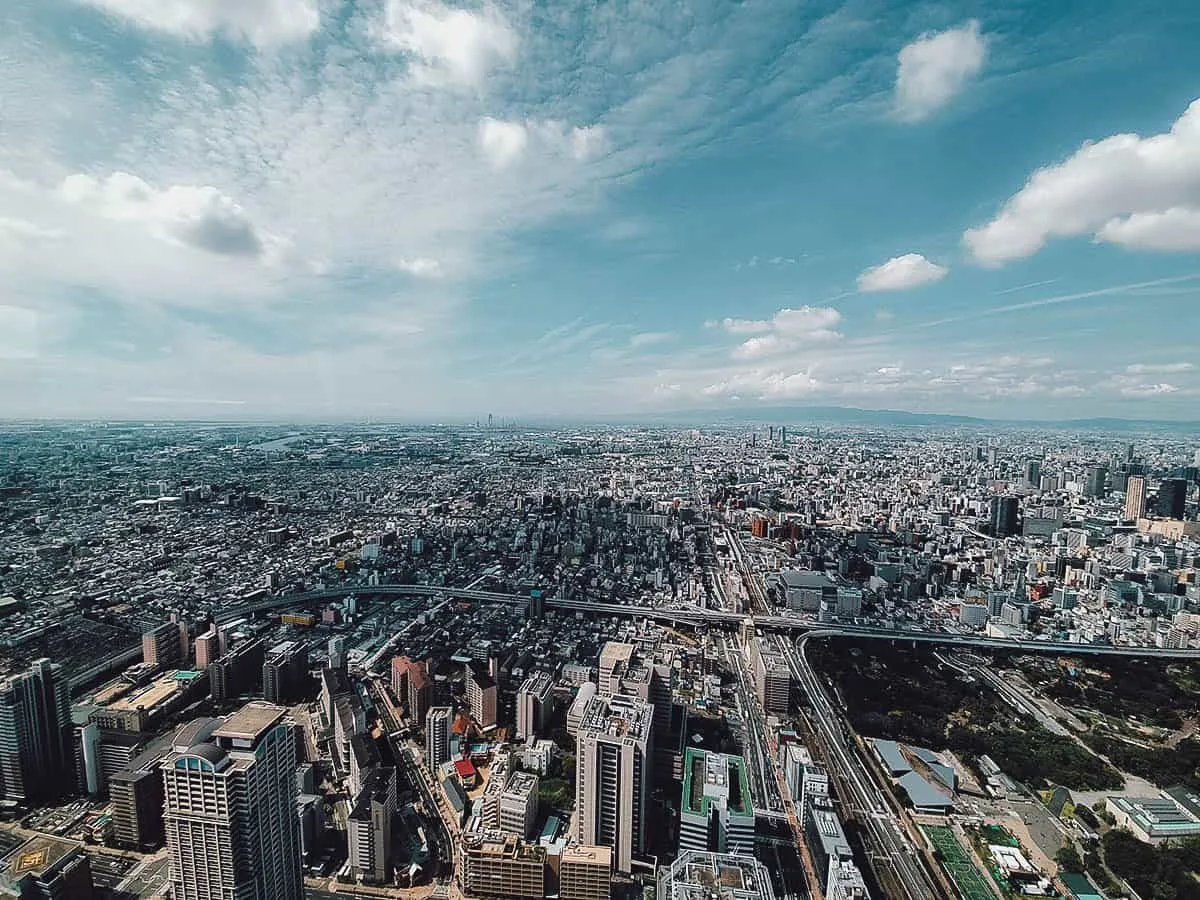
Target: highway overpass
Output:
{"points": [[693, 616]]}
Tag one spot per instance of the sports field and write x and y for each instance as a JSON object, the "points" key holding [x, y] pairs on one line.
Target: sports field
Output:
{"points": [[957, 864]]}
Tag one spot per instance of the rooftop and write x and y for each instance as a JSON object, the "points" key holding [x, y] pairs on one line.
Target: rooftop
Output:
{"points": [[250, 722], [37, 856]]}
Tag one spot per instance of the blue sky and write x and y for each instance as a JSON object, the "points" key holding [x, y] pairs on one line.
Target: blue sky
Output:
{"points": [[425, 209]]}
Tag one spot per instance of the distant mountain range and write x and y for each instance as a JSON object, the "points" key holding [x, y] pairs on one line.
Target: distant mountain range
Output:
{"points": [[847, 415]]}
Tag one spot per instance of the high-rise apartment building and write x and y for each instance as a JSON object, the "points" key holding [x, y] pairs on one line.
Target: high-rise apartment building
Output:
{"points": [[437, 735], [208, 648], [715, 811], [369, 828], [230, 808], [533, 703], [411, 686], [337, 652], [772, 678], [285, 672], [482, 695], [612, 775], [1135, 497], [237, 672], [1033, 472], [36, 748], [161, 647], [585, 873]]}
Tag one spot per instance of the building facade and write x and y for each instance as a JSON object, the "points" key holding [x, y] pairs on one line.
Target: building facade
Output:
{"points": [[36, 747], [612, 775], [230, 808]]}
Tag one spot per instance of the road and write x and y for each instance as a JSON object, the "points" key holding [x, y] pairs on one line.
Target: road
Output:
{"points": [[897, 865], [438, 831], [681, 614]]}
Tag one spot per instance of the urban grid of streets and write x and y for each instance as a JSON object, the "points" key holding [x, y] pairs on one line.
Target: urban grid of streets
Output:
{"points": [[115, 529]]}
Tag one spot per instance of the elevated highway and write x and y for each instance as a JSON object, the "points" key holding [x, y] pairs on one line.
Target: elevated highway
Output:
{"points": [[694, 616]]}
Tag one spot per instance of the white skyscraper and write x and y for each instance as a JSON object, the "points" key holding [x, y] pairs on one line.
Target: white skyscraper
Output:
{"points": [[230, 808], [612, 774], [437, 735]]}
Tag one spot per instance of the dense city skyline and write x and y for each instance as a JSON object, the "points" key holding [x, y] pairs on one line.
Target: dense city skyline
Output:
{"points": [[417, 210]]}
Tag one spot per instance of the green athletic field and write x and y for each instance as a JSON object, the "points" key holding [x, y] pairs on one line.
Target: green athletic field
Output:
{"points": [[957, 864]]}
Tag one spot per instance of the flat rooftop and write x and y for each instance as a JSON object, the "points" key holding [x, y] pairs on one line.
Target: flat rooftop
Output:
{"points": [[250, 722], [586, 854], [37, 856], [149, 697]]}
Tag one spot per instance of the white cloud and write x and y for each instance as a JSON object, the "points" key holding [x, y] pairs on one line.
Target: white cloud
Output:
{"points": [[649, 338], [261, 22], [198, 217], [1149, 390], [739, 326], [1126, 189], [420, 267], [451, 45], [1174, 229], [1155, 368], [934, 68], [901, 273], [502, 143], [788, 329]]}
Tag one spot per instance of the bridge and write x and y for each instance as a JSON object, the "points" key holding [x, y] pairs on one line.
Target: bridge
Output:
{"points": [[693, 616]]}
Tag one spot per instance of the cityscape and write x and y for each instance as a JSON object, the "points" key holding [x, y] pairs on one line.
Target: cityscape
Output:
{"points": [[599, 450], [606, 662]]}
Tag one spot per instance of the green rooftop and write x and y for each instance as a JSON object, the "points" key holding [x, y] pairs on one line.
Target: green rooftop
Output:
{"points": [[709, 776]]}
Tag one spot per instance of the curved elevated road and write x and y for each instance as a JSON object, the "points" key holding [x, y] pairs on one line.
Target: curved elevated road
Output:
{"points": [[696, 616]]}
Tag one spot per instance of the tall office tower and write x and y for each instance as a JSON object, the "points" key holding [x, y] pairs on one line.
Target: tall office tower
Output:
{"points": [[585, 873], [285, 672], [437, 735], [782, 435], [1004, 516], [36, 748], [481, 695], [1097, 482], [337, 652], [208, 648], [533, 703], [160, 647], [715, 810], [615, 659], [230, 808], [1135, 497], [1172, 498], [612, 774], [369, 828], [1033, 472]]}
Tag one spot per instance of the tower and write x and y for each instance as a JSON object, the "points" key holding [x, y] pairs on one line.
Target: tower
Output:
{"points": [[612, 774], [1135, 497], [437, 735], [230, 808], [36, 751]]}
